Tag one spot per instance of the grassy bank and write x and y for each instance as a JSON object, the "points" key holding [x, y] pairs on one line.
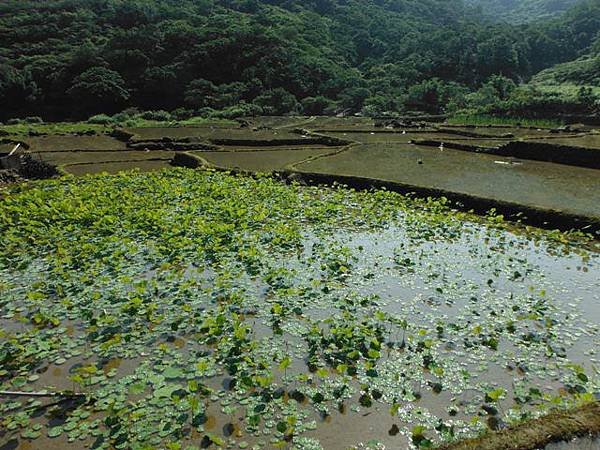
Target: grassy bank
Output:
{"points": [[487, 120], [534, 434], [24, 128]]}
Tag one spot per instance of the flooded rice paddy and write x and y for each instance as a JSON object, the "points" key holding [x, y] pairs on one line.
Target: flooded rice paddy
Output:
{"points": [[405, 154], [200, 310], [533, 183]]}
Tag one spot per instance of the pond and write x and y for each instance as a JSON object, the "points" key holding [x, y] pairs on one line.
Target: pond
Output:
{"points": [[197, 309]]}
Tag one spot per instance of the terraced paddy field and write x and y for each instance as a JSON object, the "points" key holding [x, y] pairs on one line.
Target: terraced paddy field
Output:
{"points": [[508, 132], [262, 160], [114, 167], [196, 309], [368, 137], [524, 172], [73, 143], [72, 158], [586, 141], [538, 184], [398, 137], [321, 122], [212, 133], [6, 148]]}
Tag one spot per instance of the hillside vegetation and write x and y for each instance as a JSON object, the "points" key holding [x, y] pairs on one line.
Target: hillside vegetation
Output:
{"points": [[582, 71], [70, 59], [522, 11]]}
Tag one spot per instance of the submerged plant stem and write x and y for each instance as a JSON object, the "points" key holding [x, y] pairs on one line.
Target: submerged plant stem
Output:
{"points": [[41, 394]]}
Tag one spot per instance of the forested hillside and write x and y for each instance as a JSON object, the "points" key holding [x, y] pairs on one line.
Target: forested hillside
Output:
{"points": [[583, 71], [522, 11], [75, 58]]}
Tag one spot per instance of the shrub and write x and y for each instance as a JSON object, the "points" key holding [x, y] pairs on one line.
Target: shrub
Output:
{"points": [[26, 120], [241, 110], [121, 117], [276, 102], [101, 119], [205, 112], [131, 112], [182, 114], [159, 116]]}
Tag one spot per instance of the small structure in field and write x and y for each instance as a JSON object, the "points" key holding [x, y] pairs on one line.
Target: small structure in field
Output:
{"points": [[22, 164]]}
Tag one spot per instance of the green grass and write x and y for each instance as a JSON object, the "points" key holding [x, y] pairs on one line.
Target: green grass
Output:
{"points": [[566, 89], [206, 121], [485, 120], [24, 129], [53, 128]]}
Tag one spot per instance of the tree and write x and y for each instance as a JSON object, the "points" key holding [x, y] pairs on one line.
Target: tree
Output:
{"points": [[277, 102], [596, 46], [163, 80], [378, 105], [354, 98], [316, 106], [200, 94], [586, 97], [363, 55], [16, 90], [502, 86], [498, 55], [433, 95], [98, 90]]}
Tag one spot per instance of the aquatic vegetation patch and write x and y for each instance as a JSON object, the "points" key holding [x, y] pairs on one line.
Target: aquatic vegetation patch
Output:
{"points": [[196, 309]]}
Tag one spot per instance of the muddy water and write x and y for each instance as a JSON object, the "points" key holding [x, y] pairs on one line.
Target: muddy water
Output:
{"points": [[587, 141], [263, 160], [72, 158], [207, 133], [457, 288], [116, 167], [69, 143], [530, 183], [577, 444], [463, 273]]}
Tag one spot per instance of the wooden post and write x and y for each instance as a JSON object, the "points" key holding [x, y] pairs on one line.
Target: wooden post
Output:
{"points": [[14, 150]]}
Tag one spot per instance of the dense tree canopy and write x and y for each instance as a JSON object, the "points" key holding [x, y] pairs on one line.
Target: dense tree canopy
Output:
{"points": [[74, 58], [521, 11]]}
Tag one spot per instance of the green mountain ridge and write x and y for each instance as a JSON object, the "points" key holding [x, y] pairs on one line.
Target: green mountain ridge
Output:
{"points": [[74, 58]]}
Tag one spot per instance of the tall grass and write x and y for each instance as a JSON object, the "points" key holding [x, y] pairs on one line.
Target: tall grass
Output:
{"points": [[485, 120]]}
